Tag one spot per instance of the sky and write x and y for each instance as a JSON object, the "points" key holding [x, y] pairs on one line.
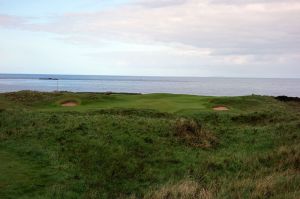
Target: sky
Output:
{"points": [[223, 38]]}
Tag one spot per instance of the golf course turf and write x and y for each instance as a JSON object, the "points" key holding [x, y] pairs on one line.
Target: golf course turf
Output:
{"points": [[110, 145]]}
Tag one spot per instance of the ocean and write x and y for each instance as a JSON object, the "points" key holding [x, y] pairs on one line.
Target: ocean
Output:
{"points": [[209, 86]]}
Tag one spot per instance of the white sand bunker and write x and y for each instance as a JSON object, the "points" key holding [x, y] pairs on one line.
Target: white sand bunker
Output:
{"points": [[69, 104], [220, 108]]}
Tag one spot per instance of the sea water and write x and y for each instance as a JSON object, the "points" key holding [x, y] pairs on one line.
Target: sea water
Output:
{"points": [[211, 86]]}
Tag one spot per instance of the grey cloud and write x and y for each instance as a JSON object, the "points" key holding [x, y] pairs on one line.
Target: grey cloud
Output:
{"points": [[228, 30], [235, 32]]}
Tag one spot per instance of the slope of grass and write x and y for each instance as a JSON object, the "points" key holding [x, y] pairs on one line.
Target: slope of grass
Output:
{"points": [[151, 146]]}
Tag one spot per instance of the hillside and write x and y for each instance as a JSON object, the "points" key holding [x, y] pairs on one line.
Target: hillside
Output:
{"points": [[109, 145]]}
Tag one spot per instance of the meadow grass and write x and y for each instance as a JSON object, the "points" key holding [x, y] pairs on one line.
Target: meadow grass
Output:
{"points": [[148, 146]]}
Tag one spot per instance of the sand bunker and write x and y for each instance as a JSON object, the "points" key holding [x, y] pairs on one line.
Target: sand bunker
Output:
{"points": [[220, 108], [69, 104]]}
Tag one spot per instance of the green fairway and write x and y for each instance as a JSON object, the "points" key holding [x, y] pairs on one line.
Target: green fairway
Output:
{"points": [[148, 146], [171, 103]]}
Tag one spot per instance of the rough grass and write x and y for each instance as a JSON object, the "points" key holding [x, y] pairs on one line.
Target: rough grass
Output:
{"points": [[194, 134], [148, 146], [187, 189]]}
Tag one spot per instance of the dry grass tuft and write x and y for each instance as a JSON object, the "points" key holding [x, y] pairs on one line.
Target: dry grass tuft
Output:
{"points": [[186, 189], [194, 134], [283, 158], [289, 156], [267, 186], [275, 183]]}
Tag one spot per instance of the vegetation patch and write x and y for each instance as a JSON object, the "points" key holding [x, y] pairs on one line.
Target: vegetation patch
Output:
{"points": [[149, 113], [185, 189], [148, 146], [192, 133], [287, 99], [263, 118], [31, 97]]}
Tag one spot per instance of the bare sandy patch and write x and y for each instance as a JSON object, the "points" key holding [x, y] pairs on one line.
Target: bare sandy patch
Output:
{"points": [[69, 104], [220, 108]]}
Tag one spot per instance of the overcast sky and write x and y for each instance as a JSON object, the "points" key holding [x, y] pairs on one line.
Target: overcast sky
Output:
{"points": [[231, 38]]}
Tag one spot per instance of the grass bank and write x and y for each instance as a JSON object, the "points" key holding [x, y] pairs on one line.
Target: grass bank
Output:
{"points": [[148, 146]]}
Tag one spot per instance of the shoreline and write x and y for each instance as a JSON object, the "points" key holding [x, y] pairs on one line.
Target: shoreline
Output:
{"points": [[278, 97]]}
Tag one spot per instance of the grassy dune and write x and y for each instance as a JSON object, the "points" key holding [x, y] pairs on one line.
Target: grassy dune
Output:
{"points": [[148, 146]]}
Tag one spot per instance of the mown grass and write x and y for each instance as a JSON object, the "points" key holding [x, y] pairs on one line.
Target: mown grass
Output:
{"points": [[148, 146]]}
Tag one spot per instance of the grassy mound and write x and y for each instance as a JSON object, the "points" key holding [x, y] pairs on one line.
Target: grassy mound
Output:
{"points": [[194, 134]]}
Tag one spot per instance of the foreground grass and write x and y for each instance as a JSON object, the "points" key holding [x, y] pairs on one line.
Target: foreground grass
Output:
{"points": [[148, 146]]}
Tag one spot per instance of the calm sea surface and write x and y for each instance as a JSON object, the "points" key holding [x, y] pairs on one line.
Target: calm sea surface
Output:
{"points": [[213, 86]]}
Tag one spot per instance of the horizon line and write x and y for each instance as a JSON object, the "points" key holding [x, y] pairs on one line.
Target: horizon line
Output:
{"points": [[246, 77]]}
